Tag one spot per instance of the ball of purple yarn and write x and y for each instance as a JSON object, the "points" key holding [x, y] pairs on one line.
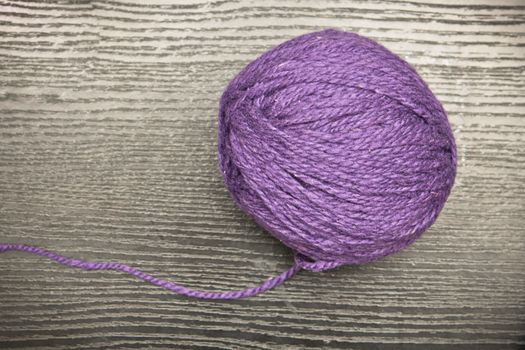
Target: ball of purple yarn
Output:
{"points": [[337, 147]]}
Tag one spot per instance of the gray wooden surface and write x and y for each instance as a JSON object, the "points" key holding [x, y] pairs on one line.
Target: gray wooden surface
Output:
{"points": [[108, 116]]}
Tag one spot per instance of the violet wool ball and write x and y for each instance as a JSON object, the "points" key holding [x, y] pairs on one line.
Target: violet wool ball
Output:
{"points": [[337, 147]]}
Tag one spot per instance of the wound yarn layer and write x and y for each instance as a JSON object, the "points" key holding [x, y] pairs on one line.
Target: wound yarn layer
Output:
{"points": [[337, 147]]}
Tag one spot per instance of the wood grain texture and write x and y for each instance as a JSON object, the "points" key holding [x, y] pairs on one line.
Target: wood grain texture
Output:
{"points": [[108, 116]]}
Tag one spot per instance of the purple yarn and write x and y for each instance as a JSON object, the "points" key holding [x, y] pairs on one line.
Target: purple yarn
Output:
{"points": [[171, 286], [333, 144], [337, 147]]}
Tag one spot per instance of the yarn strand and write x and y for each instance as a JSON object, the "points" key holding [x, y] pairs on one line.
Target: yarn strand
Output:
{"points": [[171, 286]]}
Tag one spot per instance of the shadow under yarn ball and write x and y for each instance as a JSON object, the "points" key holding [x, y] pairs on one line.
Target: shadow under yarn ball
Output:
{"points": [[337, 147]]}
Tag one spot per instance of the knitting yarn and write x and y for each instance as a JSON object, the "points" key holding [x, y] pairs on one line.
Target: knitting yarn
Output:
{"points": [[335, 146]]}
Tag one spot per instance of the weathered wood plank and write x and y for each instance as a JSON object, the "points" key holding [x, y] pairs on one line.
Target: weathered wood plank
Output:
{"points": [[108, 151]]}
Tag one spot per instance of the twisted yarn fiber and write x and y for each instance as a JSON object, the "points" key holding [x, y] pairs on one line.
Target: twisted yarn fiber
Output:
{"points": [[333, 144], [337, 147]]}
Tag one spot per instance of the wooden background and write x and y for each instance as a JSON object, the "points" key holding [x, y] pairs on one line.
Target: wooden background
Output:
{"points": [[108, 116]]}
